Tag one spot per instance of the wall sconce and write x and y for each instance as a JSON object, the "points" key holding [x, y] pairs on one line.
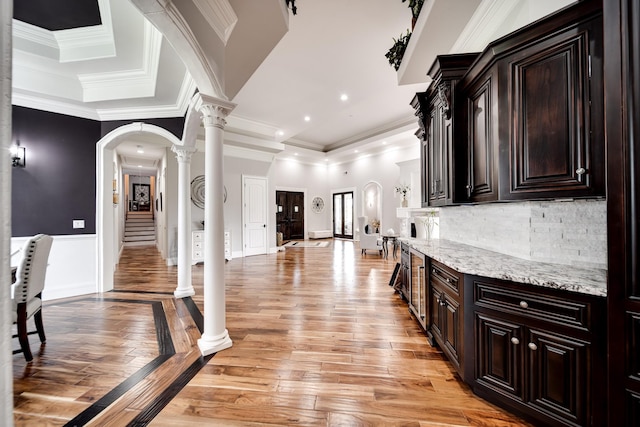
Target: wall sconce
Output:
{"points": [[18, 155]]}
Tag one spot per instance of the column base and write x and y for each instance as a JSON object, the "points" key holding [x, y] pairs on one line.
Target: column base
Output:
{"points": [[183, 293], [214, 344]]}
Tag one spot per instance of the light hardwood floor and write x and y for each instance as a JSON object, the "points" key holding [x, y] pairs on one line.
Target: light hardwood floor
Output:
{"points": [[319, 338]]}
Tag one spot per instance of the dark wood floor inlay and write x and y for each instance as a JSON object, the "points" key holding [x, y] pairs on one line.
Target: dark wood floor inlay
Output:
{"points": [[196, 314], [150, 412], [103, 403]]}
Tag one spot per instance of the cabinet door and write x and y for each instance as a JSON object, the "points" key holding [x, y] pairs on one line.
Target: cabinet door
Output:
{"points": [[452, 329], [559, 376], [499, 356], [437, 319], [439, 154], [417, 299], [433, 156], [482, 149], [556, 116], [405, 261]]}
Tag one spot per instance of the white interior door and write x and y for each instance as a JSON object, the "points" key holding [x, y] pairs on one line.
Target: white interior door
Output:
{"points": [[254, 202]]}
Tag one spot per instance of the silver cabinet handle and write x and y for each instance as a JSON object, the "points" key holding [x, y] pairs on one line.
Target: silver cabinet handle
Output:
{"points": [[524, 304], [532, 346], [420, 268], [581, 171], [515, 341]]}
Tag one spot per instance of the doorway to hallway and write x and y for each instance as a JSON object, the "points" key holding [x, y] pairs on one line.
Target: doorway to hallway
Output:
{"points": [[290, 214]]}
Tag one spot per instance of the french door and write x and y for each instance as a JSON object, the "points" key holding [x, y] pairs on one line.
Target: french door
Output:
{"points": [[343, 215]]}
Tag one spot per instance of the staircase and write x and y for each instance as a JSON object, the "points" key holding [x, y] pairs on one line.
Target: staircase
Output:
{"points": [[139, 229]]}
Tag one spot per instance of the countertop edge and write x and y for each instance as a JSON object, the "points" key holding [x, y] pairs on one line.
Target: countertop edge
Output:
{"points": [[476, 261]]}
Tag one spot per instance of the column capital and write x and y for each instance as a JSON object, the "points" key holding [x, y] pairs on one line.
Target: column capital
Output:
{"points": [[214, 110], [183, 153]]}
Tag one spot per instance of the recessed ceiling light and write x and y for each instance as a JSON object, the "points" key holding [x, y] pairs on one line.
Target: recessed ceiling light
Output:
{"points": [[140, 150], [307, 118], [356, 151], [280, 133], [139, 166], [326, 160], [384, 142], [344, 97], [295, 154]]}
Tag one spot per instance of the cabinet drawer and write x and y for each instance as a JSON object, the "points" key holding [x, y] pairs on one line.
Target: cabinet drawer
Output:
{"points": [[198, 254], [446, 277], [198, 236], [532, 305], [198, 245]]}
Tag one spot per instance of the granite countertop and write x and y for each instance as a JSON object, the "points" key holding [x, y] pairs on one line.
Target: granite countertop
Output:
{"points": [[481, 262]]}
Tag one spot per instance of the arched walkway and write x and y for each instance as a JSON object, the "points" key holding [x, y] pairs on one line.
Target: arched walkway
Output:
{"points": [[107, 248]]}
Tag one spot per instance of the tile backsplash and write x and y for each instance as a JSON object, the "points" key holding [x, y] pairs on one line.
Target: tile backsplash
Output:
{"points": [[561, 232]]}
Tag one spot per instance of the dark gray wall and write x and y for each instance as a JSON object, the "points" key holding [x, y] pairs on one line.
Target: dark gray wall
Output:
{"points": [[58, 183]]}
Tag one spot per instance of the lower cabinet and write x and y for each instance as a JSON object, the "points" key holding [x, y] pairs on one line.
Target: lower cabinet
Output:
{"points": [[405, 270], [446, 308], [538, 353]]}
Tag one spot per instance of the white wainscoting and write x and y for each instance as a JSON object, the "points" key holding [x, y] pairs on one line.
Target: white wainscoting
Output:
{"points": [[72, 265]]}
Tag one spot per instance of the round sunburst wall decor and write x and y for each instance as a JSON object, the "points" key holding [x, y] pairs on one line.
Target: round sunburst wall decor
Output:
{"points": [[197, 192], [317, 204]]}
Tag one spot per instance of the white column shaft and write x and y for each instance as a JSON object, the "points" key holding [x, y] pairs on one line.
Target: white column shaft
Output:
{"points": [[185, 285], [215, 336]]}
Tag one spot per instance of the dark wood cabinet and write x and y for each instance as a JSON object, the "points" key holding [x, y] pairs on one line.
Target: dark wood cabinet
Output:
{"points": [[540, 353], [554, 95], [477, 176], [405, 271], [530, 113], [446, 309], [622, 101], [434, 109]]}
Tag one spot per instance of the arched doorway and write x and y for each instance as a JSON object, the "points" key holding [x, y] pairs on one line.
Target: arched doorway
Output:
{"points": [[107, 241]]}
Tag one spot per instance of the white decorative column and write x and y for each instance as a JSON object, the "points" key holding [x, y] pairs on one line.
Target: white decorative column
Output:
{"points": [[185, 286], [6, 358], [215, 336]]}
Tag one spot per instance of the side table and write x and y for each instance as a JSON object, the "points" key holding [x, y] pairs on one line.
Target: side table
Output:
{"points": [[385, 244]]}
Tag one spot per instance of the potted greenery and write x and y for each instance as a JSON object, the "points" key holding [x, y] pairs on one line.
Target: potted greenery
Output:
{"points": [[415, 6], [395, 54]]}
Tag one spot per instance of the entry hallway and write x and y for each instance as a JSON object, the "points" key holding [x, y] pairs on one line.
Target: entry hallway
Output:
{"points": [[319, 338]]}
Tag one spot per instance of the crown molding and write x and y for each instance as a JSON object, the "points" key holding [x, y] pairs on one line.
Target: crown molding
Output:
{"points": [[220, 16], [134, 113], [481, 28], [33, 34], [53, 106], [135, 83]]}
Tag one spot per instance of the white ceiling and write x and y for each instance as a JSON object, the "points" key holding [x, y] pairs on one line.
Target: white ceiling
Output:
{"points": [[125, 69]]}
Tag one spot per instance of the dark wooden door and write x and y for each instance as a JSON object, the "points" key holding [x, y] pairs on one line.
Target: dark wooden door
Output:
{"points": [[452, 330], [290, 214], [481, 183], [499, 356], [559, 380], [555, 128], [622, 102]]}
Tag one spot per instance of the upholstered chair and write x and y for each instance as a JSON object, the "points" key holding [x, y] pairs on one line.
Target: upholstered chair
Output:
{"points": [[27, 290], [368, 238]]}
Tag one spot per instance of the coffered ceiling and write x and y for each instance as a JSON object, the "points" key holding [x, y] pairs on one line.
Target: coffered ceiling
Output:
{"points": [[118, 66]]}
